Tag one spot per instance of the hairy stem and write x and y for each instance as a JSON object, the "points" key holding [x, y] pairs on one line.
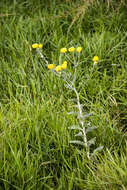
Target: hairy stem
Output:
{"points": [[42, 56], [82, 123]]}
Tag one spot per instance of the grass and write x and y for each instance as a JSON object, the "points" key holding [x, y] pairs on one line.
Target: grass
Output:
{"points": [[34, 135]]}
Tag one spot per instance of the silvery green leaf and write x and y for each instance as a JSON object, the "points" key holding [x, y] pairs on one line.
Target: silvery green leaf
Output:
{"points": [[83, 117], [91, 141], [71, 113], [79, 134], [72, 99], [75, 127], [77, 142], [87, 115], [89, 129], [98, 149]]}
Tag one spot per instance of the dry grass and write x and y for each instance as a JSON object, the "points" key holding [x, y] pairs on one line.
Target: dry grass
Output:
{"points": [[81, 10]]}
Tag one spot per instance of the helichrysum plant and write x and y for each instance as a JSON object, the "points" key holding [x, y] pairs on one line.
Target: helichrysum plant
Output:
{"points": [[61, 70]]}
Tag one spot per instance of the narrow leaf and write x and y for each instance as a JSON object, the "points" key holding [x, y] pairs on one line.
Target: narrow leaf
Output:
{"points": [[77, 142], [98, 149], [75, 127], [79, 134], [72, 100], [71, 113], [89, 129], [91, 141], [83, 117]]}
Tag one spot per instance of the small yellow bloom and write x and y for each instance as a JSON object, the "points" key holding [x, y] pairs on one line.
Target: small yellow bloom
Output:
{"points": [[35, 46], [63, 50], [64, 65], [79, 49], [65, 62], [51, 66], [58, 68], [71, 49], [40, 45], [95, 59]]}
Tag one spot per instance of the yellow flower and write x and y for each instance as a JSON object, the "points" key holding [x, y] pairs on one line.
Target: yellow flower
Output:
{"points": [[51, 66], [35, 46], [64, 65], [71, 49], [79, 49], [40, 45], [65, 62], [63, 50], [58, 68], [95, 59]]}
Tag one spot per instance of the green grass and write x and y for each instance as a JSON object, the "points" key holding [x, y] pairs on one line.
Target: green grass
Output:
{"points": [[34, 135]]}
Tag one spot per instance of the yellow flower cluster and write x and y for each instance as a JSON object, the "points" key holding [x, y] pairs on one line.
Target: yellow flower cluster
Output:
{"points": [[59, 67], [71, 49], [64, 65], [34, 46]]}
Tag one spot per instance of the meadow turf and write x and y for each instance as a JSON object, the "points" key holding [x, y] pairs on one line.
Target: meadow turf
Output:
{"points": [[35, 152]]}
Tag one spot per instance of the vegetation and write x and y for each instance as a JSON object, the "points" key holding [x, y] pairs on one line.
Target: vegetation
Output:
{"points": [[34, 103]]}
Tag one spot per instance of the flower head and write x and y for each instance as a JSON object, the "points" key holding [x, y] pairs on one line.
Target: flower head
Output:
{"points": [[40, 45], [51, 66], [71, 49], [35, 45], [79, 49], [58, 68], [65, 62], [95, 59], [63, 50], [64, 65]]}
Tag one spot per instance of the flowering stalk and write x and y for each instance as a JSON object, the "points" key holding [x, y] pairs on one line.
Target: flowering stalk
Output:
{"points": [[60, 71], [71, 85]]}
